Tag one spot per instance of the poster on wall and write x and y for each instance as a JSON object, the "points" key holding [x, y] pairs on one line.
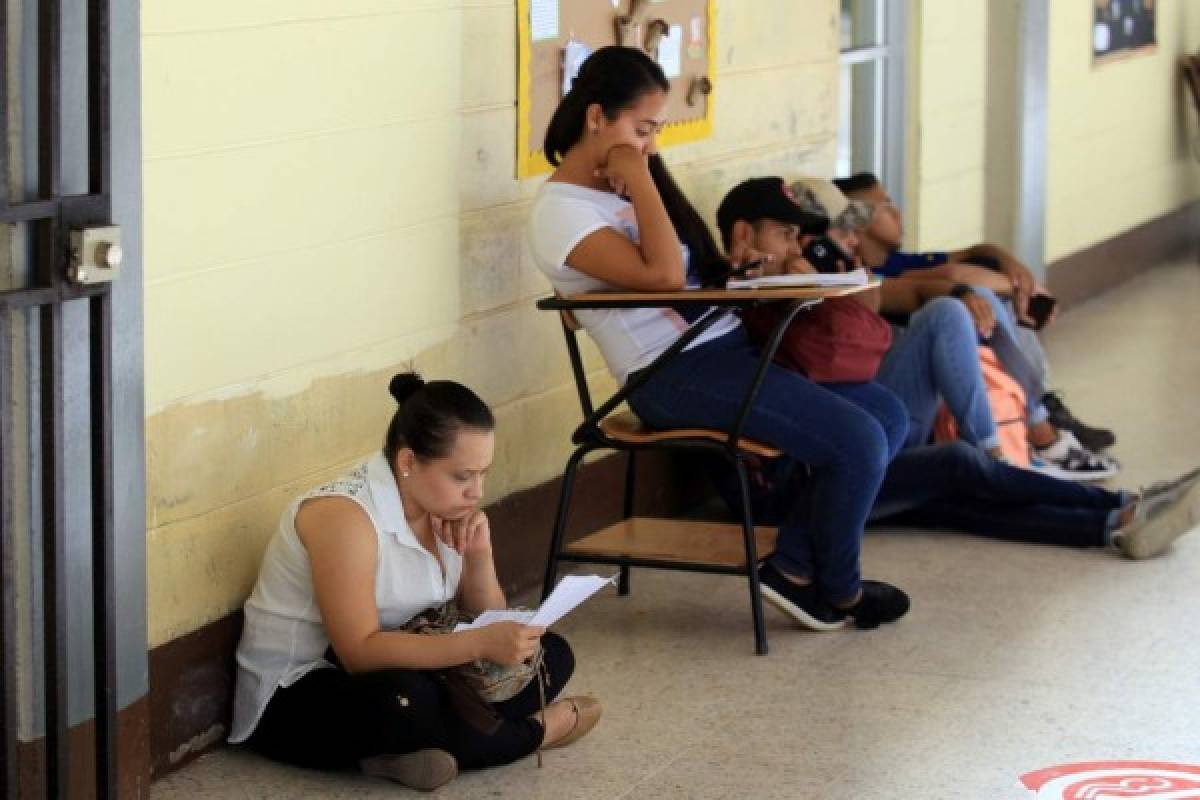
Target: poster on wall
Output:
{"points": [[1122, 28]]}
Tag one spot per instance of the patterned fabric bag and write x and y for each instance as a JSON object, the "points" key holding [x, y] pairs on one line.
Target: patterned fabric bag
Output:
{"points": [[474, 686]]}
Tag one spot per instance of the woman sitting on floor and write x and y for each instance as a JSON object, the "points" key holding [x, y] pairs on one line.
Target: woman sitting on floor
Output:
{"points": [[327, 677]]}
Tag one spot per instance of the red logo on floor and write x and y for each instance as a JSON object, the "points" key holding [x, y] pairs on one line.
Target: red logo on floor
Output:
{"points": [[1115, 780]]}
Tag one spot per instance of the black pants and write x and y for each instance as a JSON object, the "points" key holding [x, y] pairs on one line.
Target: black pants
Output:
{"points": [[331, 719]]}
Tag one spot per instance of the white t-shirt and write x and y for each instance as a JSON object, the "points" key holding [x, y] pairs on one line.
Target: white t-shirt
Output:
{"points": [[628, 338], [283, 638]]}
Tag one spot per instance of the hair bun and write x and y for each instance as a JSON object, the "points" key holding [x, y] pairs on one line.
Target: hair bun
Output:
{"points": [[405, 385]]}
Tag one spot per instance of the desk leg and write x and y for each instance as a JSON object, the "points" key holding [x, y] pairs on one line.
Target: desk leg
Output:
{"points": [[560, 519], [756, 608], [630, 494]]}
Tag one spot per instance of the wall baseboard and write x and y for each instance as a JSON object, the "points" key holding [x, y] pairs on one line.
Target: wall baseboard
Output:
{"points": [[133, 758], [1102, 266], [192, 677]]}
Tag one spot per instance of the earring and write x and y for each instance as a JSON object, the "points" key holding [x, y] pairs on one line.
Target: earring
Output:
{"points": [[403, 474]]}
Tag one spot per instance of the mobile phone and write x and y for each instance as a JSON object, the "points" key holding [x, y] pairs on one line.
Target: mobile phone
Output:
{"points": [[1041, 306], [728, 271], [825, 256], [740, 272]]}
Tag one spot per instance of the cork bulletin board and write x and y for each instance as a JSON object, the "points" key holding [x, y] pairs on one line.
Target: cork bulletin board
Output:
{"points": [[550, 35]]}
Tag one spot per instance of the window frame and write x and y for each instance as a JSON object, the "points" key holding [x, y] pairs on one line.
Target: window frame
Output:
{"points": [[886, 135]]}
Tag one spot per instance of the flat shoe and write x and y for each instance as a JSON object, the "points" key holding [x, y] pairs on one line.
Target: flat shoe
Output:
{"points": [[587, 714], [424, 770]]}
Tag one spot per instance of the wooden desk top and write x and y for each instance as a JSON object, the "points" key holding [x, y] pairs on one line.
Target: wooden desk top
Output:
{"points": [[712, 297]]}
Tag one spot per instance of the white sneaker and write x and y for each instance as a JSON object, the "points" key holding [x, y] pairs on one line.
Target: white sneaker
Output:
{"points": [[1069, 460], [1163, 493], [1165, 512]]}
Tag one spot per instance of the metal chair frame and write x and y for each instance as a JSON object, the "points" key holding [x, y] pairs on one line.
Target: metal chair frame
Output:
{"points": [[589, 436]]}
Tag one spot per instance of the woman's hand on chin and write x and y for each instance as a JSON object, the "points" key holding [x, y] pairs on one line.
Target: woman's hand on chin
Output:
{"points": [[468, 535], [622, 166]]}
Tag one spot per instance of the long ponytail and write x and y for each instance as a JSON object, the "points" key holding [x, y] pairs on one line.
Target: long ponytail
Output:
{"points": [[705, 261]]}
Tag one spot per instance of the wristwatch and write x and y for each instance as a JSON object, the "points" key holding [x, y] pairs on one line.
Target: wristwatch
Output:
{"points": [[961, 290]]}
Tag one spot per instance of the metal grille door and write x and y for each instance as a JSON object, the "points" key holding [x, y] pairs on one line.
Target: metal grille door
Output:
{"points": [[75, 255]]}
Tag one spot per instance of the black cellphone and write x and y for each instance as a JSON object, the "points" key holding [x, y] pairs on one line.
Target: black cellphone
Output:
{"points": [[740, 272], [825, 255], [1041, 306], [730, 271]]}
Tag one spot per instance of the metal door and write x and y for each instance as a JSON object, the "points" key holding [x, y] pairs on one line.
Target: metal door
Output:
{"points": [[74, 254]]}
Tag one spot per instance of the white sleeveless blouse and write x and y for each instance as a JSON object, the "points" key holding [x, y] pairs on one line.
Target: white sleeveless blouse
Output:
{"points": [[283, 638]]}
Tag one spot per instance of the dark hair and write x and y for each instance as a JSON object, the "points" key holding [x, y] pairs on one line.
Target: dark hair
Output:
{"points": [[431, 415], [613, 76], [705, 261], [859, 182]]}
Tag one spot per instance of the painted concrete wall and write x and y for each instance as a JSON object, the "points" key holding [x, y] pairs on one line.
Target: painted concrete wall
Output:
{"points": [[1001, 121], [948, 176], [1118, 133], [330, 198]]}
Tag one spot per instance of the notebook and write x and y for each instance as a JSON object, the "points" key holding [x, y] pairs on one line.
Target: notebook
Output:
{"points": [[856, 277]]}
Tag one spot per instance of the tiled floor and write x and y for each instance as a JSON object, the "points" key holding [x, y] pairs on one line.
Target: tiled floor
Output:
{"points": [[1013, 657]]}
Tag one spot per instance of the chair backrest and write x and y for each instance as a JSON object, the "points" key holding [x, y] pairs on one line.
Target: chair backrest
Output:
{"points": [[571, 327], [570, 321]]}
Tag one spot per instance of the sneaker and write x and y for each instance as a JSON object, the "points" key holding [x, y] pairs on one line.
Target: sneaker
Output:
{"points": [[1069, 460], [1153, 497], [424, 770], [803, 604], [1165, 512], [880, 602], [1093, 439]]}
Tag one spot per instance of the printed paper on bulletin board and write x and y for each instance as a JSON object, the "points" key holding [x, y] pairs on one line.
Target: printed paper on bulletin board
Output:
{"points": [[1122, 28], [546, 27]]}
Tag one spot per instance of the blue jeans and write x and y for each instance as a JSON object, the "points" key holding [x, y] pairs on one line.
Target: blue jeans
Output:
{"points": [[1009, 344], [825, 427], [936, 357], [957, 486], [1031, 346]]}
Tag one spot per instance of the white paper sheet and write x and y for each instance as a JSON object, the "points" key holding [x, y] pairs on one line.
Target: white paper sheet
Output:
{"points": [[543, 19], [566, 597], [574, 54], [856, 277], [670, 49]]}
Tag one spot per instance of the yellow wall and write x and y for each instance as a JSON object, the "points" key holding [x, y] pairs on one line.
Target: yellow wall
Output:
{"points": [[1118, 133], [948, 111], [329, 198]]}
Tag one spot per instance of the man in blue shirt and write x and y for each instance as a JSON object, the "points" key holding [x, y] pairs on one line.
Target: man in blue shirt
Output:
{"points": [[987, 270], [982, 264]]}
